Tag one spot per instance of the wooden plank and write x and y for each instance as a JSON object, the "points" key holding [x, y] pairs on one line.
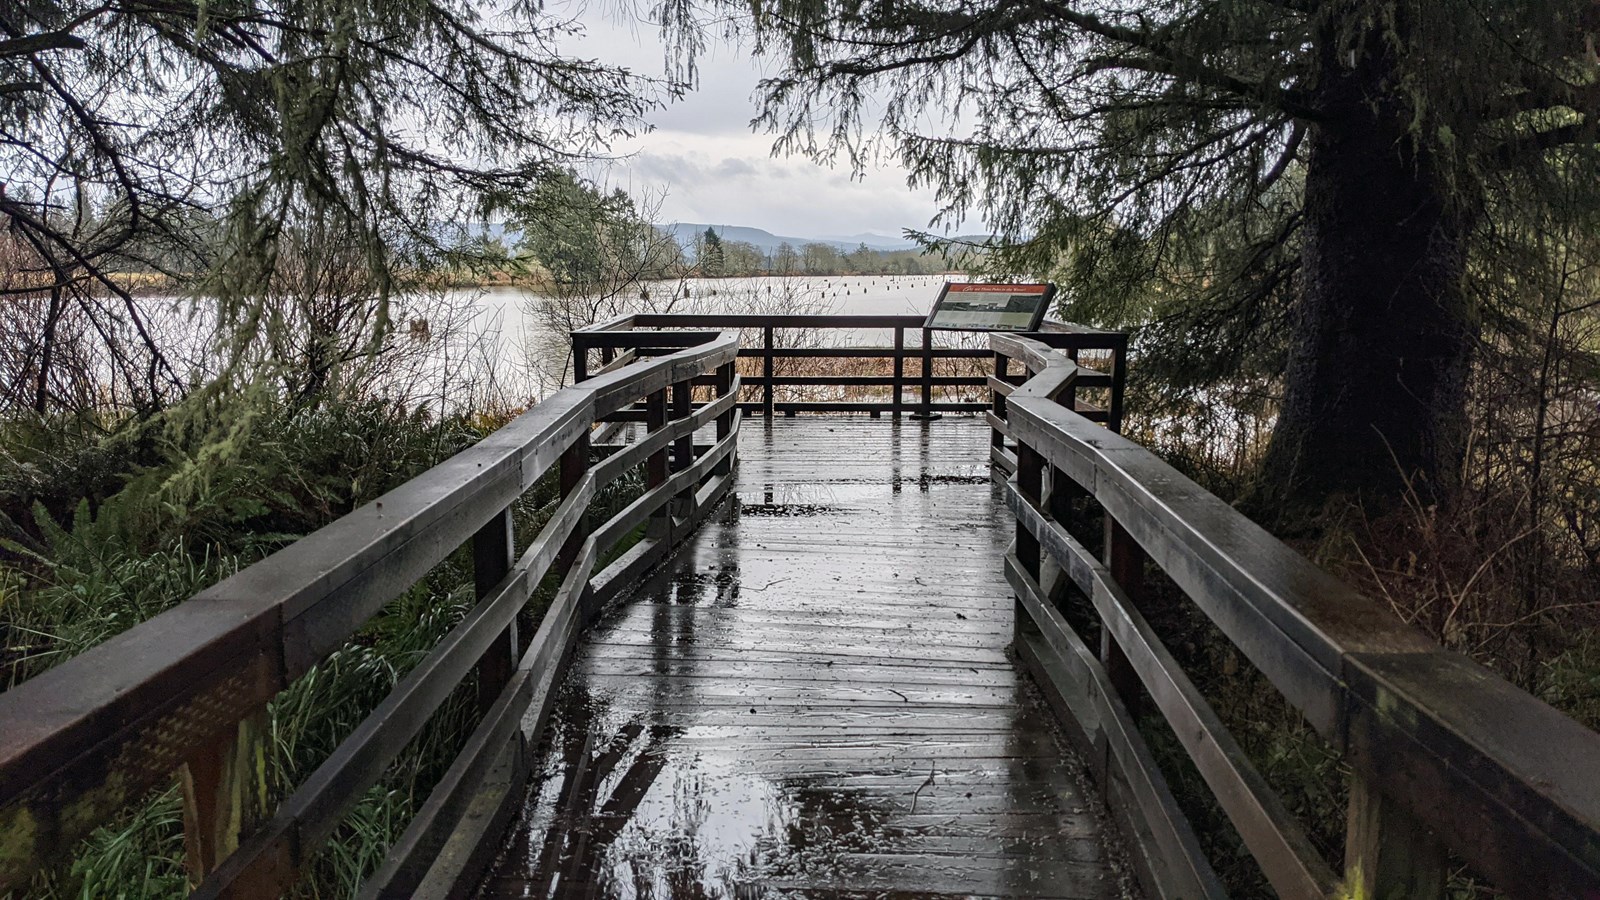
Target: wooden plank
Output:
{"points": [[1287, 857], [782, 321], [1388, 853], [1166, 849], [866, 353], [224, 793], [814, 719], [494, 553], [837, 407], [647, 339]]}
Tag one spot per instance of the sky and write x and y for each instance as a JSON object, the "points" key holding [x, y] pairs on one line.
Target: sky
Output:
{"points": [[703, 163]]}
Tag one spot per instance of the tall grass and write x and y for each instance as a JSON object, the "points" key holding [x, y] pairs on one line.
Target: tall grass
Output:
{"points": [[148, 538]]}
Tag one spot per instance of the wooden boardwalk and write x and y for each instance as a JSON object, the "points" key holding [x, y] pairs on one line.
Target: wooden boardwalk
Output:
{"points": [[815, 699]]}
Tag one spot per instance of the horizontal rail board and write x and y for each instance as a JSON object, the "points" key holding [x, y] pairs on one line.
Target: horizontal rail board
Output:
{"points": [[1290, 862], [84, 739], [1166, 847], [781, 321], [867, 353], [863, 381], [1501, 777], [843, 353], [782, 406], [631, 339]]}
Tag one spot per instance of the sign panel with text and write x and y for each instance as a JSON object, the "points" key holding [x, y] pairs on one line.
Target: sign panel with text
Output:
{"points": [[990, 307]]}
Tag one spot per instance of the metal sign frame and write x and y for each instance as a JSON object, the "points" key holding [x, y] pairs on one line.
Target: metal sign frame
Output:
{"points": [[1010, 299]]}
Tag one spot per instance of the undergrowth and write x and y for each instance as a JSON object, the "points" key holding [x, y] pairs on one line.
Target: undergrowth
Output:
{"points": [[108, 523], [1505, 570]]}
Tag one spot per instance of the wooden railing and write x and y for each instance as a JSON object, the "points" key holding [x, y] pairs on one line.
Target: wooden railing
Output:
{"points": [[905, 389], [188, 689], [1444, 756]]}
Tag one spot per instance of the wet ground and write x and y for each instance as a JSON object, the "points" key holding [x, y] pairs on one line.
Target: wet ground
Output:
{"points": [[815, 699]]}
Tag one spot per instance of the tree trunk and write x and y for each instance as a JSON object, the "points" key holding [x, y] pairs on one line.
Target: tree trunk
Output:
{"points": [[1375, 394]]}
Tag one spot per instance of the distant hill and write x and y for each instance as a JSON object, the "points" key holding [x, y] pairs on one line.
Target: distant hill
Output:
{"points": [[686, 232]]}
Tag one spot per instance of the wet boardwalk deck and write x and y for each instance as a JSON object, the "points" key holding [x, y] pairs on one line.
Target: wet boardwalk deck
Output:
{"points": [[815, 699]]}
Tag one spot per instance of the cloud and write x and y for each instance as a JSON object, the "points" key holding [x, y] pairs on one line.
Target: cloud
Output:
{"points": [[734, 168], [705, 164]]}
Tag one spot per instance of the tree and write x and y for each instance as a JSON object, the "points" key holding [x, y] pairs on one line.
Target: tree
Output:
{"points": [[742, 258], [181, 138], [785, 260], [598, 251], [1311, 177], [589, 241], [862, 260], [712, 260], [821, 259]]}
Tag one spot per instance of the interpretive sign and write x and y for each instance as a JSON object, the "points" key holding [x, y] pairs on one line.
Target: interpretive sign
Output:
{"points": [[990, 307]]}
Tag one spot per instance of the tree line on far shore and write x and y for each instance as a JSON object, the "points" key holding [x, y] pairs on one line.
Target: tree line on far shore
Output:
{"points": [[571, 236], [714, 256]]}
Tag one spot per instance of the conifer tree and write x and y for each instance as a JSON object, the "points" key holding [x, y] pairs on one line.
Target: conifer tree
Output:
{"points": [[179, 137], [1304, 187], [711, 258]]}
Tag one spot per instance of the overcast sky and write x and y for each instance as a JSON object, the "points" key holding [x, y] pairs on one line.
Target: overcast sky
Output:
{"points": [[712, 168]]}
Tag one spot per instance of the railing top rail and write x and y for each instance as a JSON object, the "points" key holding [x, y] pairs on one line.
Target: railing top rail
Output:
{"points": [[1509, 780], [115, 720], [615, 323], [800, 320]]}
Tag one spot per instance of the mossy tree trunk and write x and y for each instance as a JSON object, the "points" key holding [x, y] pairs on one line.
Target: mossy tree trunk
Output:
{"points": [[1375, 394]]}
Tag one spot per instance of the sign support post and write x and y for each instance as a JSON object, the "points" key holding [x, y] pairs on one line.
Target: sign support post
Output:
{"points": [[969, 306]]}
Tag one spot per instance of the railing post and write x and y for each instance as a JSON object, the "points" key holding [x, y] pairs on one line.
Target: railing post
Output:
{"points": [[1070, 399], [683, 447], [927, 373], [655, 467], [899, 369], [766, 372], [1119, 379], [682, 505], [725, 421], [574, 465], [493, 553], [1125, 559], [997, 440], [580, 358], [1389, 855], [1030, 482], [224, 792]]}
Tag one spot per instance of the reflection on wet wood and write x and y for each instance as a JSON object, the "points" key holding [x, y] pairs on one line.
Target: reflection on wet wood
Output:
{"points": [[815, 700]]}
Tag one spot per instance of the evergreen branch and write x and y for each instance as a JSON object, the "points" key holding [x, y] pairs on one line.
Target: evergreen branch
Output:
{"points": [[38, 43], [862, 69], [1169, 60], [1283, 100], [1513, 150], [1291, 149]]}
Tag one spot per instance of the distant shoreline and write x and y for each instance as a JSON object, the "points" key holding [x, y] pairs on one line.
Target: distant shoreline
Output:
{"points": [[153, 284]]}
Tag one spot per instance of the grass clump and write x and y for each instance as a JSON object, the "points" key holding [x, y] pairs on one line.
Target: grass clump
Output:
{"points": [[154, 517]]}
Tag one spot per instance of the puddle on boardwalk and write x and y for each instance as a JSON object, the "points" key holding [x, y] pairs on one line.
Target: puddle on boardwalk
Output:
{"points": [[785, 509], [627, 809]]}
